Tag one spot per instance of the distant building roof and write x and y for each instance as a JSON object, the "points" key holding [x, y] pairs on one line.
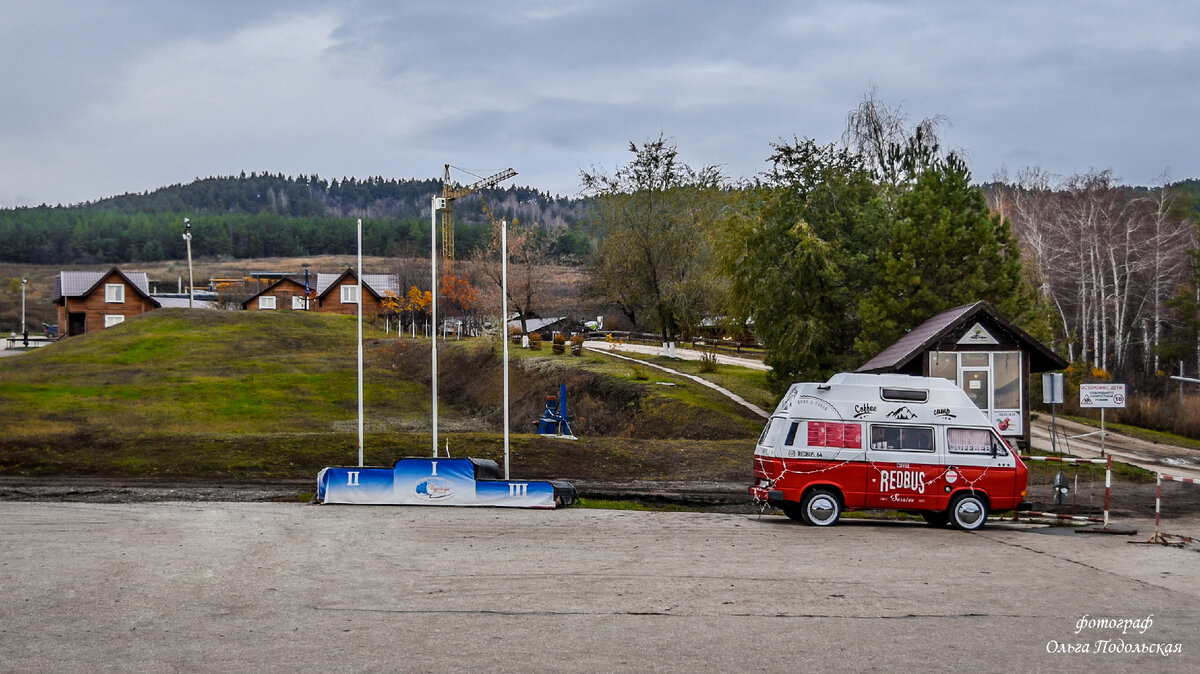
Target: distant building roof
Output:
{"points": [[377, 284], [174, 302], [81, 283], [921, 338], [535, 324]]}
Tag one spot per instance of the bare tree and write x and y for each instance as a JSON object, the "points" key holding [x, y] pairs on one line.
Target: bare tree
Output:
{"points": [[1108, 257], [530, 254]]}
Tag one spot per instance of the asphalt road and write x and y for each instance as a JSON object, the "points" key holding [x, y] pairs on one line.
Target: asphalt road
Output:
{"points": [[283, 587]]}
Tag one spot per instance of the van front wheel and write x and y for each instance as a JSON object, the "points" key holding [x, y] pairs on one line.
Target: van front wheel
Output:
{"points": [[968, 512], [936, 518], [821, 508]]}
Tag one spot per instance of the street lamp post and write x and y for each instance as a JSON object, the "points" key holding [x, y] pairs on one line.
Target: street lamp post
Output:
{"points": [[187, 236], [24, 282]]}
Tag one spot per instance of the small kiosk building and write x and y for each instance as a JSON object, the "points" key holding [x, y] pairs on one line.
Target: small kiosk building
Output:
{"points": [[982, 352]]}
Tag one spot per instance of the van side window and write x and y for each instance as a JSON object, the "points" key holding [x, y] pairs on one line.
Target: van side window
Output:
{"points": [[902, 438], [974, 441], [791, 436]]}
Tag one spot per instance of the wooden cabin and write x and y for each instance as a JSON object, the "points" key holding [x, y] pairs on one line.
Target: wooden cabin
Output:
{"points": [[89, 300], [338, 293], [285, 294]]}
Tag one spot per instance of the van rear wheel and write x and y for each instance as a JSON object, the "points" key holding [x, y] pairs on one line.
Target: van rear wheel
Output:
{"points": [[792, 510], [821, 508], [968, 512]]}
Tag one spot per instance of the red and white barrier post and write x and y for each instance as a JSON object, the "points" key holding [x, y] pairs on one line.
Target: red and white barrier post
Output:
{"points": [[1158, 536]]}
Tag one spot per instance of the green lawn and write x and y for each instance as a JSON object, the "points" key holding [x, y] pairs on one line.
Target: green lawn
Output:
{"points": [[258, 395]]}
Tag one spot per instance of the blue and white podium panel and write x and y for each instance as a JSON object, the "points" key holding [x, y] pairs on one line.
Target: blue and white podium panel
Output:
{"points": [[429, 481]]}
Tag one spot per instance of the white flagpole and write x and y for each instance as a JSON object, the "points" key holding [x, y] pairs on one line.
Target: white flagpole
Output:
{"points": [[360, 349], [504, 327], [437, 201]]}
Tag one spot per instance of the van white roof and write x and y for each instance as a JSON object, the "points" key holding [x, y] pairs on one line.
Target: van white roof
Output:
{"points": [[883, 398]]}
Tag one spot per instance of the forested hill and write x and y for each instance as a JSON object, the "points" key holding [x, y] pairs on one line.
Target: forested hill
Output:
{"points": [[306, 196], [264, 215]]}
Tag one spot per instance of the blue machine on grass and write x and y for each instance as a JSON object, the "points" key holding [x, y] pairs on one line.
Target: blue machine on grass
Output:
{"points": [[555, 421], [439, 481]]}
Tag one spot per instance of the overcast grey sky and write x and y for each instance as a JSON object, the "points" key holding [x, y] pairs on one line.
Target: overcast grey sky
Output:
{"points": [[103, 97]]}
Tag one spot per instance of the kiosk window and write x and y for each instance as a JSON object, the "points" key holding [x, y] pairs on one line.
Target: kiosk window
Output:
{"points": [[944, 364], [902, 438]]}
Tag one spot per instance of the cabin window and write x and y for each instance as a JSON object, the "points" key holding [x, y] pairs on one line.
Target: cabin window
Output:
{"points": [[974, 441], [112, 319], [901, 438], [266, 302], [114, 292], [350, 294], [299, 303]]}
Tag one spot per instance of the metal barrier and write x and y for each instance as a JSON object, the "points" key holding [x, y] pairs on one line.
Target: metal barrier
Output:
{"points": [[1077, 518]]}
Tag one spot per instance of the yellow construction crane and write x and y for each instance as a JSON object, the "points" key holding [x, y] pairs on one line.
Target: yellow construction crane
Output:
{"points": [[450, 193]]}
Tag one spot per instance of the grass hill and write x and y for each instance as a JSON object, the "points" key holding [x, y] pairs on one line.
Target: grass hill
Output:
{"points": [[265, 396]]}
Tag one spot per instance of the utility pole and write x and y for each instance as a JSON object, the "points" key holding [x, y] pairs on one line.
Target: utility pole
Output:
{"points": [[24, 282], [187, 236]]}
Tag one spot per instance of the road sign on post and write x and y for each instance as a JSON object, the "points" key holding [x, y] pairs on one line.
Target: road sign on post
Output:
{"points": [[1102, 396], [1052, 394]]}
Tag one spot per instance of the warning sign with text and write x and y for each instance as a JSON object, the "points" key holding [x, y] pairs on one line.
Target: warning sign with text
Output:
{"points": [[1102, 395]]}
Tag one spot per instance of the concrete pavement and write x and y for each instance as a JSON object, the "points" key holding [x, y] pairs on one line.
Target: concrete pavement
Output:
{"points": [[280, 587]]}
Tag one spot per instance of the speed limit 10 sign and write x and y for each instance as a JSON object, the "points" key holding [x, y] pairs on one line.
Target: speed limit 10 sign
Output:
{"points": [[1102, 395]]}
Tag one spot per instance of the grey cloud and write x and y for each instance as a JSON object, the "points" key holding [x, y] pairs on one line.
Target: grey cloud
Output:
{"points": [[90, 92]]}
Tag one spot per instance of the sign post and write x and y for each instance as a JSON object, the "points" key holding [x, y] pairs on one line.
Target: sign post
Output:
{"points": [[1052, 393], [1102, 396]]}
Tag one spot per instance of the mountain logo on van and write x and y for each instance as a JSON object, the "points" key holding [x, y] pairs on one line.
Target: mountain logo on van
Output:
{"points": [[903, 414]]}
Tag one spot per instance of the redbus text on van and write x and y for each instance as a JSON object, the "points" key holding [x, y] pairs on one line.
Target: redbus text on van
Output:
{"points": [[913, 480]]}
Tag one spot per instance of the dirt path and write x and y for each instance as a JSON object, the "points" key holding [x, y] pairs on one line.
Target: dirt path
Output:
{"points": [[1078, 439], [683, 354]]}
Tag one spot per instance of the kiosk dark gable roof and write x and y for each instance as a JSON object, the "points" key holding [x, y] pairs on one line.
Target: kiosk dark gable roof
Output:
{"points": [[926, 335]]}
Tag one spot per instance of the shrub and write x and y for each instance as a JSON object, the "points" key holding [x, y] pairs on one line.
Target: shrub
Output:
{"points": [[535, 341], [708, 361], [577, 345], [560, 342], [639, 373]]}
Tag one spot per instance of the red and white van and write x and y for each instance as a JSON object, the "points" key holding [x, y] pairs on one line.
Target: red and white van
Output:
{"points": [[886, 441]]}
